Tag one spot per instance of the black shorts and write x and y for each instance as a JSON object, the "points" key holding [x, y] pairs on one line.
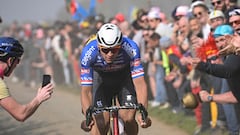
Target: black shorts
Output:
{"points": [[115, 85]]}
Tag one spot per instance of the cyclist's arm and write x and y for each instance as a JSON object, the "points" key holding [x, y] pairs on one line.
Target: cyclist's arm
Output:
{"points": [[86, 97], [88, 56], [141, 90], [138, 74]]}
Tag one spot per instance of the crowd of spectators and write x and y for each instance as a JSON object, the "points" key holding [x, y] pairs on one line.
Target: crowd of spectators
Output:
{"points": [[164, 42]]}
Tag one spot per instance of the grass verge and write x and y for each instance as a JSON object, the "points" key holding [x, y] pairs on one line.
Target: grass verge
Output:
{"points": [[180, 120]]}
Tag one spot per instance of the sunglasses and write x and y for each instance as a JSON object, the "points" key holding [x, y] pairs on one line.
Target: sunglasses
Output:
{"points": [[151, 20], [179, 17], [212, 58], [107, 50], [198, 14], [234, 22], [216, 3], [143, 20]]}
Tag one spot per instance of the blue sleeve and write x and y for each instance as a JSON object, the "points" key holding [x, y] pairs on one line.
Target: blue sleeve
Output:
{"points": [[87, 57], [133, 51]]}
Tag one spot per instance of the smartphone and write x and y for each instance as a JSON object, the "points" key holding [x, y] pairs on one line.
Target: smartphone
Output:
{"points": [[46, 80]]}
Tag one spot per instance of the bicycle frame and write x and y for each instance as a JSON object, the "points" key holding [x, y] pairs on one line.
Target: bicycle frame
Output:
{"points": [[114, 114]]}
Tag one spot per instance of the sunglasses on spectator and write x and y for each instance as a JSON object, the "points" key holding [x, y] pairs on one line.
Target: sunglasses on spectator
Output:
{"points": [[151, 20], [234, 22], [143, 20], [179, 17], [216, 3], [234, 12], [198, 14], [212, 58], [112, 49]]}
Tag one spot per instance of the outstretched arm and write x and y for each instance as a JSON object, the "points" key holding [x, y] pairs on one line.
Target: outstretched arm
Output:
{"points": [[22, 112], [227, 97]]}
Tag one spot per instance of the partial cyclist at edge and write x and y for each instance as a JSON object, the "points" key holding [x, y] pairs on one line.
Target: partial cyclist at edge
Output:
{"points": [[110, 66]]}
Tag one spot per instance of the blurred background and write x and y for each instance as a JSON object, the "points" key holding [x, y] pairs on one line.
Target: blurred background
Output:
{"points": [[50, 10]]}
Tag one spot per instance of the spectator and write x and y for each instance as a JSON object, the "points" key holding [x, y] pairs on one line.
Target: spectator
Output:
{"points": [[157, 60], [156, 23], [12, 51], [216, 18]]}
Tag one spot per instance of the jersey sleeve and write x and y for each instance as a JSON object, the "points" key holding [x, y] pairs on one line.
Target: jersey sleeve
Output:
{"points": [[86, 59], [3, 90], [134, 53]]}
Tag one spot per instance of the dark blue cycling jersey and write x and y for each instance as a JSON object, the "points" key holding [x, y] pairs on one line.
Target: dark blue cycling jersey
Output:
{"points": [[128, 58]]}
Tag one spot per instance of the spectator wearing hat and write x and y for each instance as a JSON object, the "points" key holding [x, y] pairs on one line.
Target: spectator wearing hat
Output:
{"points": [[182, 11], [200, 11], [216, 18], [156, 23], [225, 70], [233, 46], [141, 20], [229, 109], [120, 17]]}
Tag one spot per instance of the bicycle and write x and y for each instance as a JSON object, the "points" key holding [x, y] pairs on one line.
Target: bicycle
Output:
{"points": [[114, 114]]}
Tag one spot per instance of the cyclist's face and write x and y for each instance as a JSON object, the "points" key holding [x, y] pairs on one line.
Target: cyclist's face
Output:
{"points": [[109, 54]]}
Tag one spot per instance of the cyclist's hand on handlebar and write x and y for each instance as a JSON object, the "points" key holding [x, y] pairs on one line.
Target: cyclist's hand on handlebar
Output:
{"points": [[144, 124], [85, 127]]}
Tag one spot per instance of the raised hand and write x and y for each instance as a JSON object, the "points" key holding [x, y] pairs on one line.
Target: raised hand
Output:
{"points": [[45, 93], [233, 46]]}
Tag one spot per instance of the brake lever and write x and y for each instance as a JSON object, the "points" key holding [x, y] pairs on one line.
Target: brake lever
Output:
{"points": [[143, 112], [89, 116]]}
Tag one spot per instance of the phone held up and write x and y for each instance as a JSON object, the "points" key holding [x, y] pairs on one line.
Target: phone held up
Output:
{"points": [[46, 80]]}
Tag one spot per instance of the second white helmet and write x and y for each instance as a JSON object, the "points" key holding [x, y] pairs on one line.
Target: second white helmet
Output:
{"points": [[109, 35]]}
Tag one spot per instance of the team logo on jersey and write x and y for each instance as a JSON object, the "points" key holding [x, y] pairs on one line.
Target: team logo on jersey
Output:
{"points": [[87, 57], [136, 63], [130, 50], [129, 97], [85, 71], [99, 103]]}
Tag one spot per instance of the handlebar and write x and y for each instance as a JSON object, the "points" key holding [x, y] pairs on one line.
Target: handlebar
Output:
{"points": [[89, 115], [92, 110]]}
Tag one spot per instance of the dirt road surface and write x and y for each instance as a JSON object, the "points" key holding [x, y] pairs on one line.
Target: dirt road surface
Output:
{"points": [[59, 116]]}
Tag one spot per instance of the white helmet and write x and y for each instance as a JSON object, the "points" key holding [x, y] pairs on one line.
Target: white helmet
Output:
{"points": [[109, 35]]}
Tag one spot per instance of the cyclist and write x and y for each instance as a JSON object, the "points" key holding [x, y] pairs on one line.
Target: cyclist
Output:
{"points": [[10, 53], [110, 66]]}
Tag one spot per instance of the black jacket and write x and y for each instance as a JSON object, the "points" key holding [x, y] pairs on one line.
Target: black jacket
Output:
{"points": [[229, 70]]}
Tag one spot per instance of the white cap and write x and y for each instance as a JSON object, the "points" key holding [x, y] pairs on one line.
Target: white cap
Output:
{"points": [[182, 10], [196, 3], [153, 14], [215, 14]]}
